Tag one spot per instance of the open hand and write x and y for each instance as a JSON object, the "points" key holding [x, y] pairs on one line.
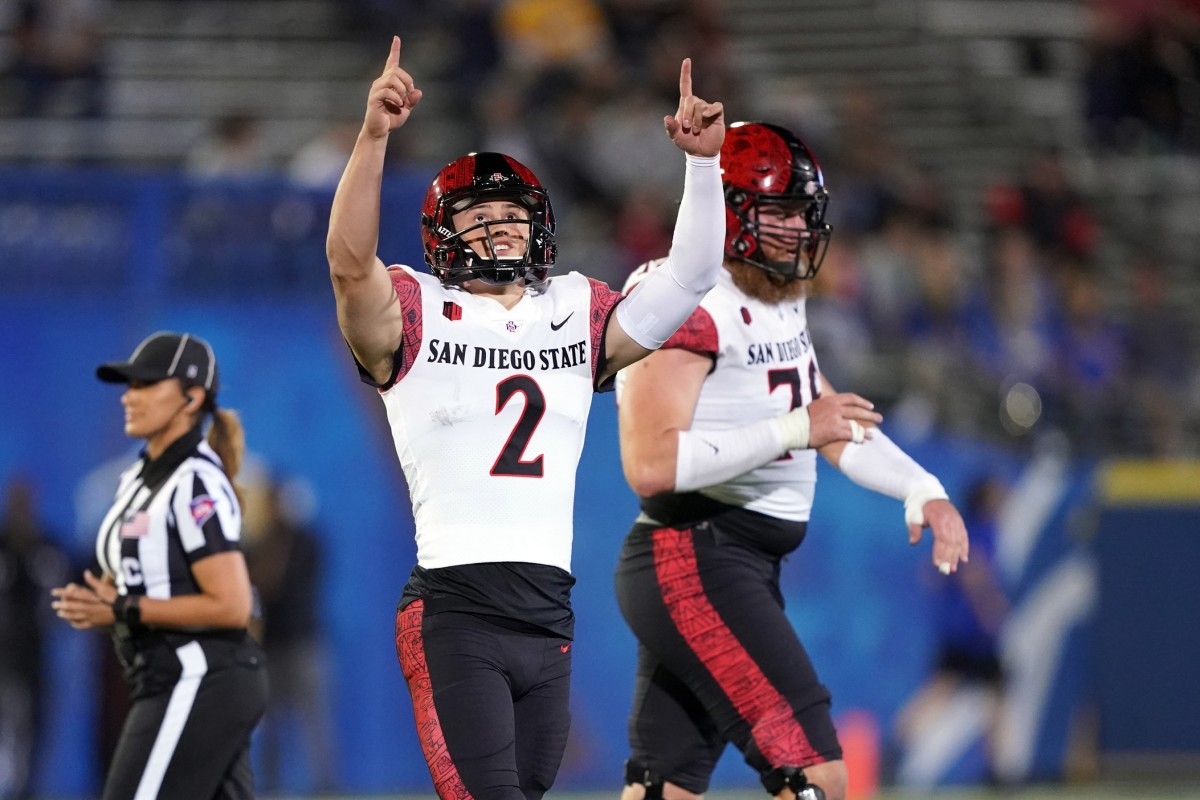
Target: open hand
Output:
{"points": [[393, 97], [950, 544], [698, 127], [85, 607]]}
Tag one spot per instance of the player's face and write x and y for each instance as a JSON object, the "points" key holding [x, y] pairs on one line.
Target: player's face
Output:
{"points": [[777, 227], [506, 224]]}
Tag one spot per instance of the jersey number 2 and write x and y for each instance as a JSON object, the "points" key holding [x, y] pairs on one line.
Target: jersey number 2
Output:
{"points": [[510, 461]]}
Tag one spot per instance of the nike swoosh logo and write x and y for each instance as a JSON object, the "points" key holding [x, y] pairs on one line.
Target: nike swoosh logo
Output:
{"points": [[554, 327], [713, 446], [565, 647]]}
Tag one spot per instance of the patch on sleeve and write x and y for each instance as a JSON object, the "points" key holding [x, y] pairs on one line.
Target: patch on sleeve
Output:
{"points": [[698, 334], [603, 300], [408, 291], [203, 509]]}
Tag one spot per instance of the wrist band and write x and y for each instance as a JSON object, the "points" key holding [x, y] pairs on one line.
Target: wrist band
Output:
{"points": [[914, 505], [794, 426], [127, 609]]}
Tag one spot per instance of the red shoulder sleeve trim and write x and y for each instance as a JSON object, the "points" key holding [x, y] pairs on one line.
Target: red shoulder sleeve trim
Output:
{"points": [[698, 334], [408, 291], [604, 300]]}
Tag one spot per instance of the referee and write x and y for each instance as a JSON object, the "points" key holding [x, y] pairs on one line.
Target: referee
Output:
{"points": [[175, 592]]}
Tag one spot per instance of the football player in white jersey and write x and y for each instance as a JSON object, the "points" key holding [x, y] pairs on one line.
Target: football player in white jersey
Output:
{"points": [[486, 368], [719, 433]]}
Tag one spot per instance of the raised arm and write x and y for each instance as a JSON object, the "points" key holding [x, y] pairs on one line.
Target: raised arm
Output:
{"points": [[367, 307], [661, 303]]}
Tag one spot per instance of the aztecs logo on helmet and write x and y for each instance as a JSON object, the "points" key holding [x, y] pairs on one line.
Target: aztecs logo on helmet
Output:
{"points": [[479, 178], [769, 174]]}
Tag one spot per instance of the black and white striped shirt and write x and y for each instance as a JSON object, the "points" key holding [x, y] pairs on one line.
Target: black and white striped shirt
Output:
{"points": [[169, 513]]}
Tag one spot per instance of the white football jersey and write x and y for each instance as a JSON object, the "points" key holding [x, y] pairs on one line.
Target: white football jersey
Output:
{"points": [[764, 366], [488, 413]]}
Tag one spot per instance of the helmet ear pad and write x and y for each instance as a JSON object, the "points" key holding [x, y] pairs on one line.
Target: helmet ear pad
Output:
{"points": [[741, 241], [476, 178]]}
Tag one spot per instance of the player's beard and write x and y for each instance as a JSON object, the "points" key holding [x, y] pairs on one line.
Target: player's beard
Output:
{"points": [[766, 286]]}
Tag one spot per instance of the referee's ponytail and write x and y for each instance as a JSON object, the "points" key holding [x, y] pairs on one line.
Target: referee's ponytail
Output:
{"points": [[226, 436]]}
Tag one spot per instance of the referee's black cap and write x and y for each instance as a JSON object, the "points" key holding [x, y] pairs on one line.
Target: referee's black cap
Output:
{"points": [[165, 355]]}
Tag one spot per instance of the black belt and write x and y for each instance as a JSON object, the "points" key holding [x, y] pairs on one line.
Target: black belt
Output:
{"points": [[132, 641]]}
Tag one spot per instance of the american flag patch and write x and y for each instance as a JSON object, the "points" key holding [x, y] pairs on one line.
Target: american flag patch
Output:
{"points": [[451, 311], [203, 507], [135, 527]]}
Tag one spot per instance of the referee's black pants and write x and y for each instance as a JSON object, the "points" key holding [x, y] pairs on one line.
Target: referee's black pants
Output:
{"points": [[187, 735]]}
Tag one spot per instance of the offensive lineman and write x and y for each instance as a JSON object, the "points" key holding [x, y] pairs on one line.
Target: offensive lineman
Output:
{"points": [[718, 433]]}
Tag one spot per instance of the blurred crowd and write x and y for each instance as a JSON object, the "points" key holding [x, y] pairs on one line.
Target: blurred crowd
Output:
{"points": [[1022, 329], [1142, 75], [30, 564], [1015, 337], [1029, 326], [57, 63]]}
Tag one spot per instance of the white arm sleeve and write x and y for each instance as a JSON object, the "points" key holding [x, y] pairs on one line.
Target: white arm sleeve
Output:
{"points": [[669, 294], [706, 458], [879, 465]]}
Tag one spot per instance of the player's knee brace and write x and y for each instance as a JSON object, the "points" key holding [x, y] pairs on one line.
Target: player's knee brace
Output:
{"points": [[780, 778], [643, 775]]}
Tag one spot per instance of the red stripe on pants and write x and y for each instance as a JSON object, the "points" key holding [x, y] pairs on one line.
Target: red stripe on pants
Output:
{"points": [[410, 650], [773, 725]]}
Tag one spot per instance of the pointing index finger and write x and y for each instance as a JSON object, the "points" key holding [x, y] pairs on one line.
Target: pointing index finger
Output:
{"points": [[393, 59], [685, 78]]}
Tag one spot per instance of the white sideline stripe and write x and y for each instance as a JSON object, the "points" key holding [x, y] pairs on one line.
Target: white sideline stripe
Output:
{"points": [[958, 726], [179, 707], [1032, 645], [1023, 517]]}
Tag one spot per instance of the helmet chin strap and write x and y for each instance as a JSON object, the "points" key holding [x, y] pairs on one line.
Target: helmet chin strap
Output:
{"points": [[481, 274], [488, 271], [497, 279]]}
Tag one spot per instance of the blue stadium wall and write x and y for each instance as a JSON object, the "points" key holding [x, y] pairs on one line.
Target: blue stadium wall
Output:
{"points": [[92, 264]]}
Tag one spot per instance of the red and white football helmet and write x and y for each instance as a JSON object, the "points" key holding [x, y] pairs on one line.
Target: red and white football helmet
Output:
{"points": [[763, 165], [475, 178]]}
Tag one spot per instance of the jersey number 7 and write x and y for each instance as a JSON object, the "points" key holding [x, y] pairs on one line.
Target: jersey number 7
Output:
{"points": [[791, 377]]}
